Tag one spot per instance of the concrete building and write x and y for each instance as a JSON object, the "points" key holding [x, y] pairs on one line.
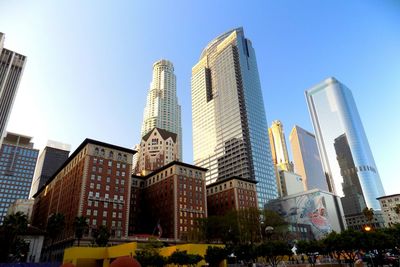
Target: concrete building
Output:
{"points": [[358, 221], [228, 115], [289, 183], [346, 156], [280, 156], [50, 159], [162, 109], [321, 210], [231, 194], [11, 68], [22, 205], [390, 206], [307, 161], [157, 148], [17, 165], [94, 182], [174, 196]]}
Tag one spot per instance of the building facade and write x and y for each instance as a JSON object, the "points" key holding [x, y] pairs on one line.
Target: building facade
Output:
{"points": [[307, 161], [24, 206], [174, 196], [157, 148], [11, 68], [280, 155], [231, 194], [289, 183], [50, 159], [94, 182], [17, 165], [390, 206], [162, 109], [228, 115], [345, 153]]}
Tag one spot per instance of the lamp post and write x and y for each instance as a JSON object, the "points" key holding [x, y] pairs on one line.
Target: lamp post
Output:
{"points": [[268, 232]]}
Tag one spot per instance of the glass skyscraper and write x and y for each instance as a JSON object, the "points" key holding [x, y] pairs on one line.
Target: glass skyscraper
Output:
{"points": [[229, 123], [343, 146], [162, 109]]}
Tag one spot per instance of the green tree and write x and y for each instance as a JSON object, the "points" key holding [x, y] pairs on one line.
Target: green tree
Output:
{"points": [[215, 255], [13, 225], [369, 214], [55, 225], [80, 227], [274, 251], [249, 225], [310, 248], [148, 258], [101, 235], [279, 225]]}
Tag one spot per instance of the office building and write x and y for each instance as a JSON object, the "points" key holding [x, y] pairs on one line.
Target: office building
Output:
{"points": [[289, 183], [17, 165], [11, 69], [162, 109], [24, 206], [229, 121], [157, 148], [345, 153], [280, 156], [307, 162], [390, 206], [95, 182], [231, 194], [50, 159]]}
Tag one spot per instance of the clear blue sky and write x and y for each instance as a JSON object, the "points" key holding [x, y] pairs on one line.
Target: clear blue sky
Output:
{"points": [[89, 63]]}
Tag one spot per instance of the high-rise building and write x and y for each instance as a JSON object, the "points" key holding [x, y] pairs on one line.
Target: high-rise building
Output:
{"points": [[343, 146], [162, 109], [229, 121], [157, 148], [51, 158], [11, 68], [17, 165], [280, 156], [306, 159]]}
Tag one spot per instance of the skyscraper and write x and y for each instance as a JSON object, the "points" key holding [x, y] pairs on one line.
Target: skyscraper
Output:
{"points": [[162, 109], [51, 158], [280, 156], [229, 122], [306, 159], [17, 165], [11, 68], [343, 146]]}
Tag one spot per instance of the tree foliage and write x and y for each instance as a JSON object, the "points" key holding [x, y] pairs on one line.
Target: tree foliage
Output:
{"points": [[215, 255], [13, 248], [80, 227], [101, 235], [55, 225], [182, 258], [274, 251]]}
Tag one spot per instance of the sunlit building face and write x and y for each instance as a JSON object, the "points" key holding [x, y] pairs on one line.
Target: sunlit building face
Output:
{"points": [[229, 122], [345, 153]]}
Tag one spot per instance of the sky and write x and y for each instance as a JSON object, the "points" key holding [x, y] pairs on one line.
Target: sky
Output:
{"points": [[90, 63]]}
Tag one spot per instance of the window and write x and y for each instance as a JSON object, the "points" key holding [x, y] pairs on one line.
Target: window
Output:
{"points": [[95, 213], [104, 213], [88, 212]]}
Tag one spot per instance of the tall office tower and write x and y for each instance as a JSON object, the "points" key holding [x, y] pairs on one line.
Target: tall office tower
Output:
{"points": [[11, 68], [162, 109], [343, 145], [306, 159], [17, 165], [229, 119], [280, 156], [51, 158]]}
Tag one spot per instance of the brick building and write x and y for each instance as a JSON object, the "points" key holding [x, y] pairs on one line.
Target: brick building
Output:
{"points": [[94, 182], [231, 194], [172, 197]]}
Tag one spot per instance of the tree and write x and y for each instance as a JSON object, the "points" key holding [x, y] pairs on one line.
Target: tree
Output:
{"points": [[149, 254], [280, 226], [182, 258], [215, 255], [369, 214], [55, 225], [80, 227], [310, 248], [13, 225], [101, 235], [274, 251]]}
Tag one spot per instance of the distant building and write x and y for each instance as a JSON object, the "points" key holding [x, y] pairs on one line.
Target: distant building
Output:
{"points": [[307, 161], [11, 68], [174, 196], [22, 205], [157, 148], [390, 206], [321, 210], [231, 194], [358, 221], [280, 156], [17, 165], [50, 160], [289, 183], [94, 182]]}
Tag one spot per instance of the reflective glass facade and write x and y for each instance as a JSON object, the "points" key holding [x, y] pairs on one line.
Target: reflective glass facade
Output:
{"points": [[229, 122], [345, 153]]}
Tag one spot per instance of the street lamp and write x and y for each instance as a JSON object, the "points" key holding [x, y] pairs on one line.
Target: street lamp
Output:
{"points": [[269, 231]]}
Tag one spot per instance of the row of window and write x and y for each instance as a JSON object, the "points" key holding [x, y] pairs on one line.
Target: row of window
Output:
{"points": [[110, 154]]}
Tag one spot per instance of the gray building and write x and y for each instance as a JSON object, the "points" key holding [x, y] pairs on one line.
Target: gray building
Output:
{"points": [[228, 115], [17, 165], [345, 153], [306, 159], [11, 68], [50, 160]]}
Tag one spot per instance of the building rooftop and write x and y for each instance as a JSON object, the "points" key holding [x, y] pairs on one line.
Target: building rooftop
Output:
{"points": [[164, 134]]}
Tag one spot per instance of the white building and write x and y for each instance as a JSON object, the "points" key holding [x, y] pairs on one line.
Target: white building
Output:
{"points": [[289, 183], [390, 206]]}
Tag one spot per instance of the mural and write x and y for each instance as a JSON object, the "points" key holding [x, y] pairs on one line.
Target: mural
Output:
{"points": [[305, 209]]}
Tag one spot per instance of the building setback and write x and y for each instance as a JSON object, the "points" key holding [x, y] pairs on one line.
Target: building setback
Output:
{"points": [[94, 182], [11, 68], [229, 121], [17, 165]]}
